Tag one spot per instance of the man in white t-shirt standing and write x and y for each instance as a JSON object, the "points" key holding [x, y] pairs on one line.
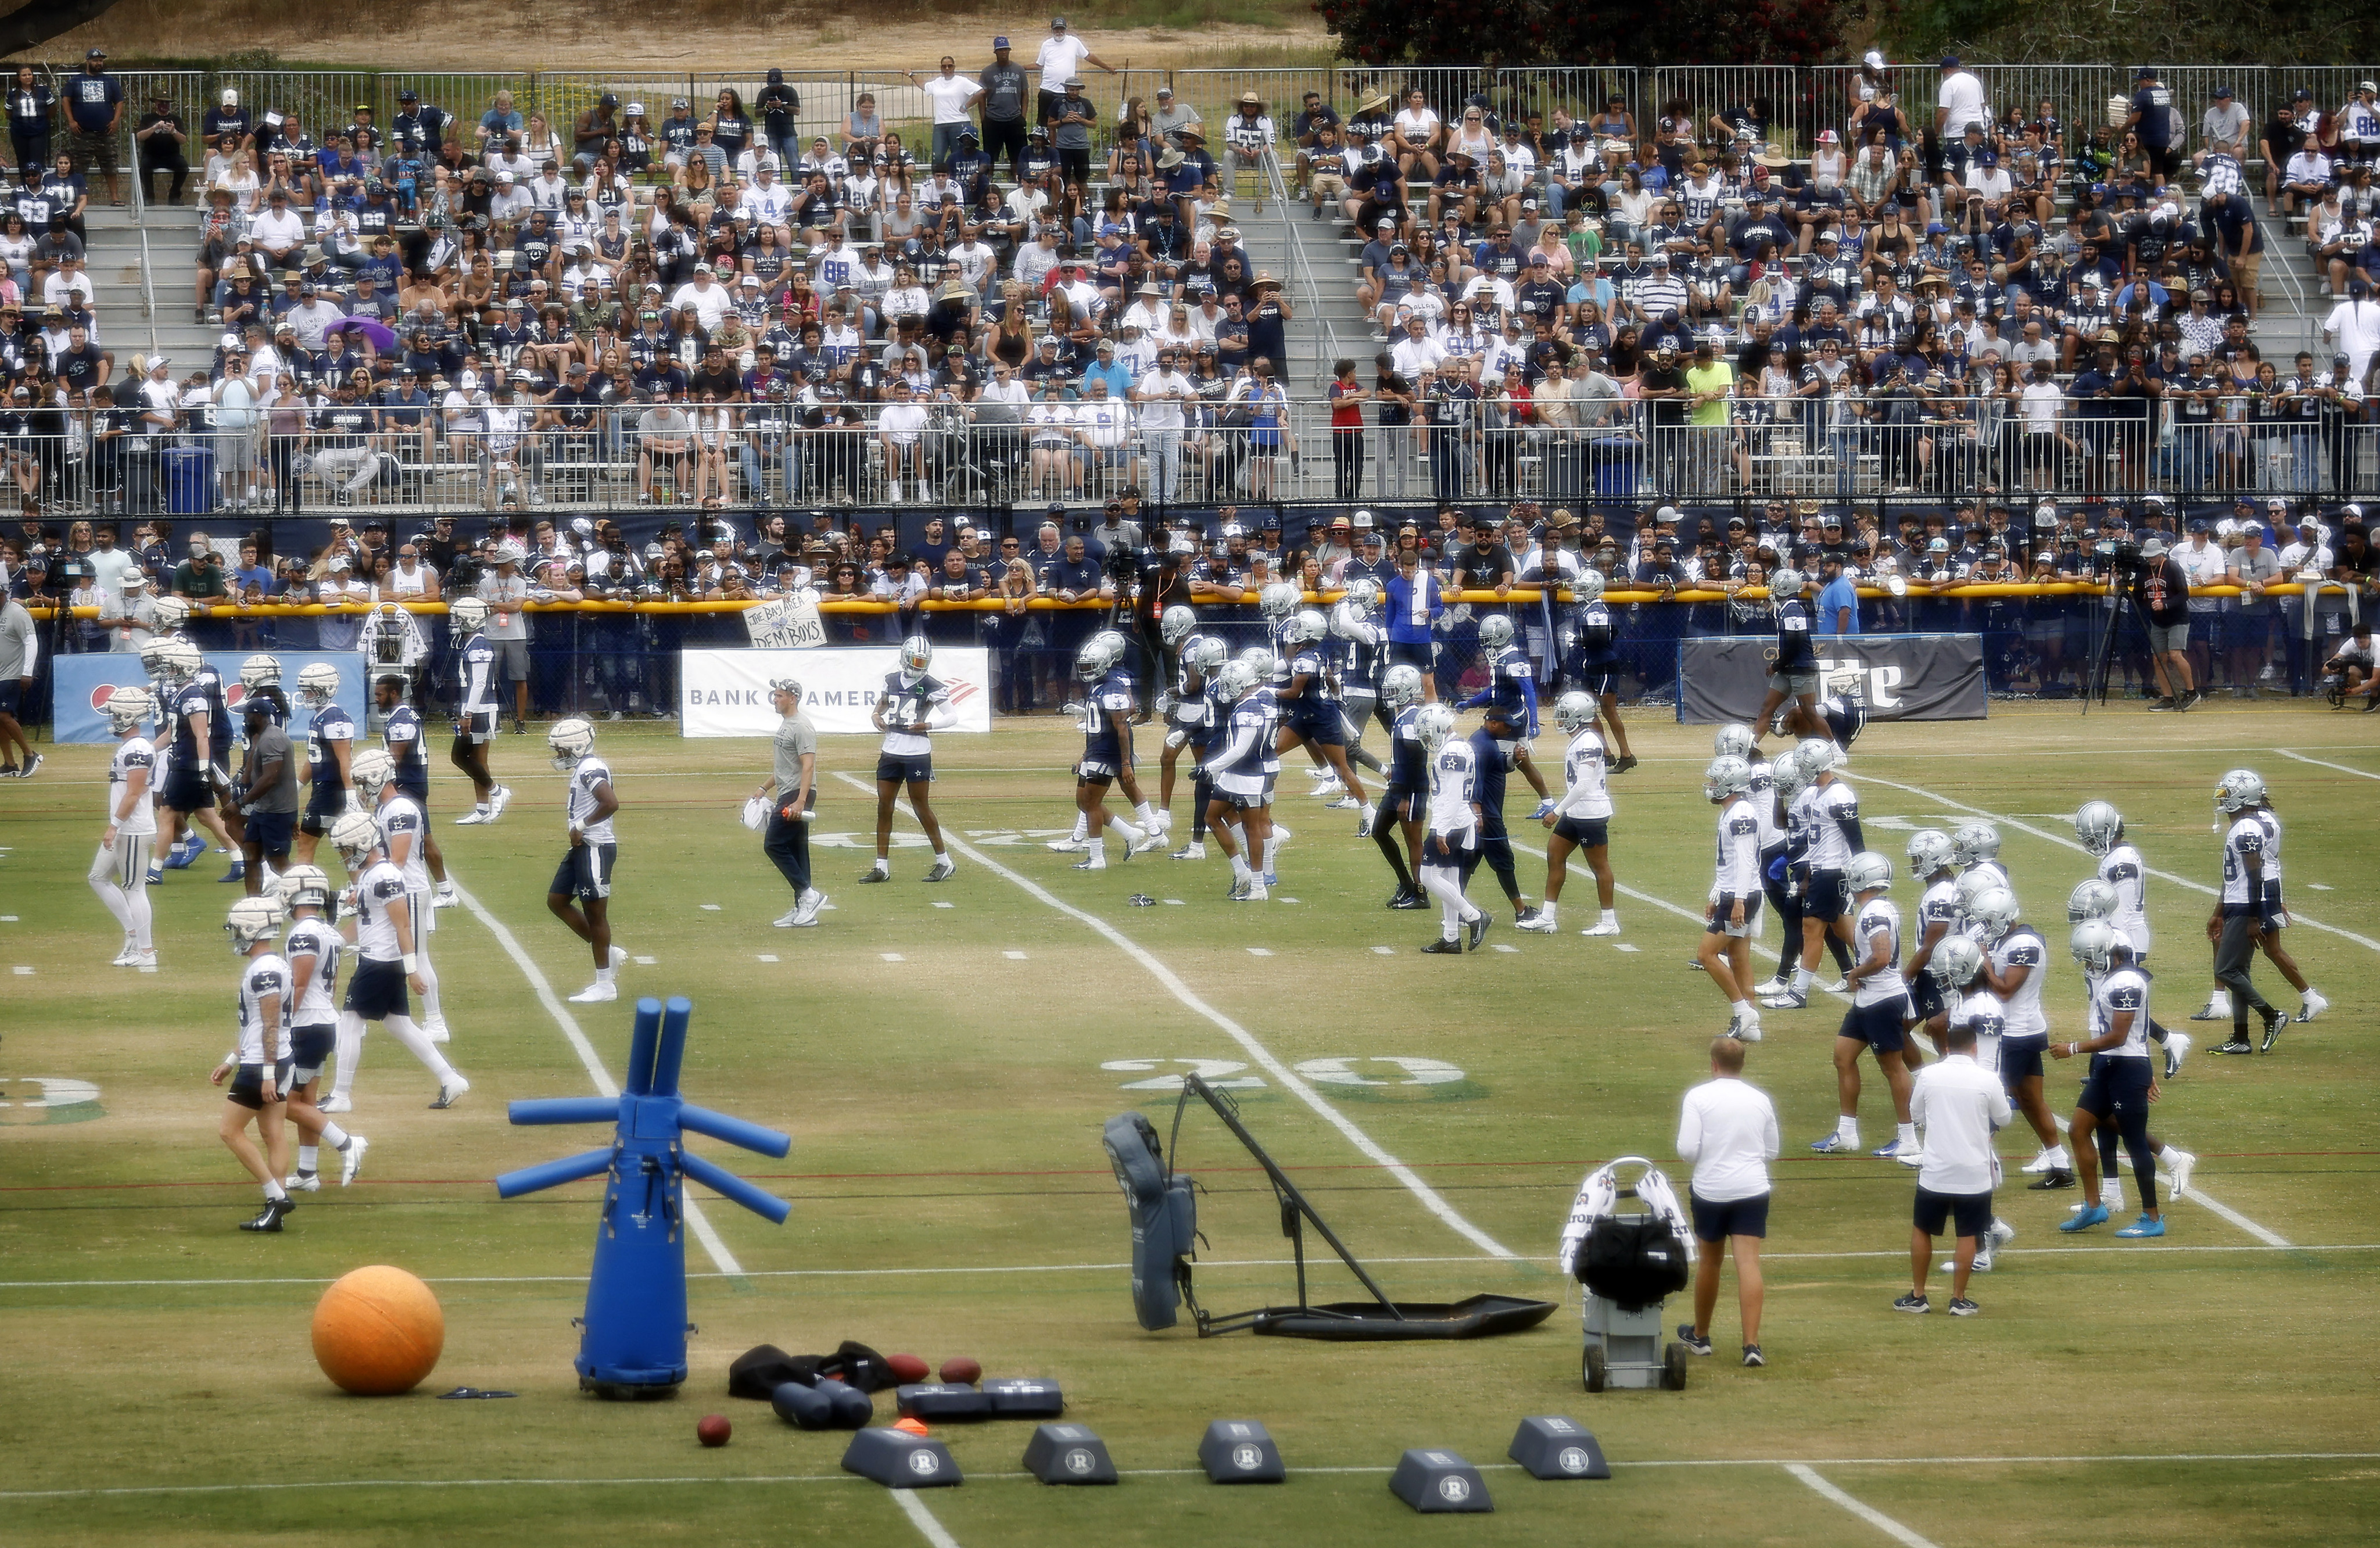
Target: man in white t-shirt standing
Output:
{"points": [[1728, 1129], [1959, 103], [1061, 62], [951, 94], [1962, 1106], [1163, 394], [2353, 328]]}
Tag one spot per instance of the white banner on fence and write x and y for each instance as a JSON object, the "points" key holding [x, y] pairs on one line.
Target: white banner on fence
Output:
{"points": [[786, 623], [725, 693]]}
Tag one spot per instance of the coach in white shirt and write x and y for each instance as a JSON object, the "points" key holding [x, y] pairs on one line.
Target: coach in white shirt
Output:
{"points": [[1961, 1105], [1729, 1130]]}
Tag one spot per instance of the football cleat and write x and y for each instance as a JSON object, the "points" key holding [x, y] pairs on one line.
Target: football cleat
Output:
{"points": [[302, 1182], [1537, 923], [2054, 1182], [1962, 1307], [1892, 1149], [1910, 1158], [1915, 1304], [1835, 1143], [2218, 1008], [473, 818], [450, 1090], [1345, 803], [498, 800], [1983, 1263], [1695, 1342], [2002, 1232], [1443, 947], [619, 958], [944, 869], [1792, 999], [1602, 927], [789, 918], [2274, 1021], [1253, 894], [2052, 1159], [1069, 845], [1479, 928], [1836, 987], [270, 1218], [876, 873], [2085, 1218], [1194, 851], [128, 957], [351, 1160], [334, 1102], [596, 993], [2237, 1045], [1080, 865], [2181, 1164], [2144, 1226]]}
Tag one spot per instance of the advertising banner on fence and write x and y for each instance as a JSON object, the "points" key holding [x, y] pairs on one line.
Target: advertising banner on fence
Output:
{"points": [[786, 623], [1901, 677], [81, 686], [725, 693]]}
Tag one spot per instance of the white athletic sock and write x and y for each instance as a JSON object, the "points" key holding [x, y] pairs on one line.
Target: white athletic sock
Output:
{"points": [[1905, 1133], [429, 988], [604, 974], [1802, 980], [1549, 911], [1146, 813], [1129, 833], [349, 1042], [1240, 836], [274, 1193], [418, 1043], [1099, 849], [1610, 916], [1271, 847], [1847, 1130], [307, 1157], [1740, 1010], [1240, 871], [334, 1135], [1081, 826]]}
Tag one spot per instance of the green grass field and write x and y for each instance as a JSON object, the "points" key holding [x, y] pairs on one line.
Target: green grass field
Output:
{"points": [[944, 1056]]}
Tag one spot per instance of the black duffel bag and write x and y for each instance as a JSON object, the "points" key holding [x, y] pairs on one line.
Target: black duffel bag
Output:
{"points": [[1635, 1260]]}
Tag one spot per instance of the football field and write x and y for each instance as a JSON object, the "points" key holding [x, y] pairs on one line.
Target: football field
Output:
{"points": [[944, 1056]]}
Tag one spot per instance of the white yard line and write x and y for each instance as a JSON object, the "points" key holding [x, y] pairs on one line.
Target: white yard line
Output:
{"points": [[1273, 1065], [923, 1520], [2322, 763], [696, 1220], [1867, 1513]]}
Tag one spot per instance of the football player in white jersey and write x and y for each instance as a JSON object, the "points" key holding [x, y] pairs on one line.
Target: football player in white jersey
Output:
{"points": [[2122, 1083], [119, 873], [1108, 706], [1196, 713], [1880, 1008], [475, 714], [385, 968], [1239, 768], [1581, 818], [1726, 949], [1937, 920], [1827, 810], [2271, 914], [2100, 828], [914, 705], [2248, 905], [312, 951], [1976, 849], [1451, 832], [401, 737], [580, 893], [404, 836], [258, 1065], [2015, 968]]}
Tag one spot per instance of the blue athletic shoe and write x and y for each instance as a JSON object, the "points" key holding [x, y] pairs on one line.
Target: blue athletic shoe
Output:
{"points": [[184, 853], [2144, 1226], [2085, 1218], [156, 877], [238, 873], [1833, 1142], [1887, 1151], [1271, 880], [1545, 809]]}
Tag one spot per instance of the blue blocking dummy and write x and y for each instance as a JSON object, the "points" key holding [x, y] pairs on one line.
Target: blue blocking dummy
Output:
{"points": [[632, 1341], [1164, 1218]]}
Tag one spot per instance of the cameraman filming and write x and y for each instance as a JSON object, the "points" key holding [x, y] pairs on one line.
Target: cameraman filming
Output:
{"points": [[2159, 587]]}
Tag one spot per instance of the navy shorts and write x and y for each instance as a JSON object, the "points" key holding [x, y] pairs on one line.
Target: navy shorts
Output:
{"points": [[268, 833], [1926, 999], [248, 1085], [2021, 1059], [1829, 897], [1970, 1213], [1323, 727], [1587, 832], [1420, 656], [896, 770], [325, 804], [1737, 1217], [1600, 681], [188, 790], [1722, 911], [585, 873], [1444, 851], [1878, 1026], [2116, 1084], [377, 991], [9, 695], [309, 1050], [475, 726], [1401, 804]]}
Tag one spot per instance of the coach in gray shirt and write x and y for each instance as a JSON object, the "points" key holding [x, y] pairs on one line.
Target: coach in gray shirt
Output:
{"points": [[268, 802], [792, 791]]}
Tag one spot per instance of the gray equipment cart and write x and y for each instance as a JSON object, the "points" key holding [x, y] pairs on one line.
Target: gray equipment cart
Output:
{"points": [[1625, 1344]]}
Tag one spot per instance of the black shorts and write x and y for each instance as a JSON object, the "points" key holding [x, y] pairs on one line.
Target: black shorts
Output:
{"points": [[1600, 681], [248, 1085], [585, 873], [377, 991], [188, 790], [1878, 1026], [1421, 657], [1722, 911], [1587, 832], [1400, 804], [1970, 1213], [309, 1050], [325, 804], [2021, 1059], [1447, 851], [2163, 159], [268, 834], [9, 692], [1829, 897], [893, 769], [1323, 727], [1737, 1217], [2116, 1084]]}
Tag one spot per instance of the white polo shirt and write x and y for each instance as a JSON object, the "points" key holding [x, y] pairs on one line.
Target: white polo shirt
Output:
{"points": [[1728, 1129], [1960, 1105]]}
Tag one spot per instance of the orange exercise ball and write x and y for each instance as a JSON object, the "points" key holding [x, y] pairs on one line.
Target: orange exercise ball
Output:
{"points": [[378, 1331]]}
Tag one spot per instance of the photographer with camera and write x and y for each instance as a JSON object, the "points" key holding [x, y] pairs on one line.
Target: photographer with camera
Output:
{"points": [[2155, 582]]}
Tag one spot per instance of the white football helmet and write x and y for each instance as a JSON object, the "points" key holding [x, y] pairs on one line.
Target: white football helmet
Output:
{"points": [[1975, 841], [2092, 900], [318, 683], [1236, 680], [1929, 851], [306, 887], [1787, 777], [1868, 871], [1784, 586], [1279, 600], [1972, 887], [1733, 741], [2239, 790], [917, 655], [1955, 962], [570, 740], [179, 662], [1993, 914], [1433, 726], [1587, 588], [1400, 686], [128, 710], [2099, 826], [1098, 655], [468, 614], [371, 768], [253, 920], [1365, 592], [1310, 626], [1817, 755], [171, 613], [1726, 775], [2092, 944], [1574, 712], [1261, 661], [1177, 624], [1206, 655], [1495, 633], [356, 836], [261, 671]]}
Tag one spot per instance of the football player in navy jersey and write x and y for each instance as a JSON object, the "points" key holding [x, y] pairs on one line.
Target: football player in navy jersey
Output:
{"points": [[1450, 843], [1513, 687], [913, 706], [1198, 712], [1581, 820], [1404, 801], [192, 711], [1107, 757], [1312, 716], [1240, 770], [1845, 716], [258, 1065], [330, 746], [1597, 661], [1726, 949], [409, 753], [1363, 646], [1795, 674]]}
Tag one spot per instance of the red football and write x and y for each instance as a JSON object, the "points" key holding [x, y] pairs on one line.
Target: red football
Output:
{"points": [[908, 1368], [713, 1430], [962, 1372]]}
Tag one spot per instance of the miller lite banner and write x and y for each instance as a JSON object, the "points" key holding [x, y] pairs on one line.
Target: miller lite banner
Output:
{"points": [[1899, 676], [725, 693], [82, 685]]}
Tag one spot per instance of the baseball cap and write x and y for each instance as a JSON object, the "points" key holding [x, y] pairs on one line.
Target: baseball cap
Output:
{"points": [[2222, 93], [1000, 42]]}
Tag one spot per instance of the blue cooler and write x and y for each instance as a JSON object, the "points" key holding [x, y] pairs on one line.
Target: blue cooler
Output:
{"points": [[189, 479]]}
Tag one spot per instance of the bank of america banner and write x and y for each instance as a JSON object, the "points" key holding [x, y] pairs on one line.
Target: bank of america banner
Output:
{"points": [[1901, 677], [725, 693], [82, 685]]}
